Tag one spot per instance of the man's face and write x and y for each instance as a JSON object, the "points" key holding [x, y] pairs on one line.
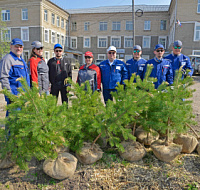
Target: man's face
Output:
{"points": [[16, 49], [159, 53], [136, 53], [111, 55], [58, 52], [176, 50]]}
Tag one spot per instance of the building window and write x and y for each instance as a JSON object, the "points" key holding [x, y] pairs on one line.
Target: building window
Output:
{"points": [[46, 56], [163, 40], [103, 26], [25, 34], [146, 41], [24, 14], [129, 25], [101, 56], [86, 26], [74, 26], [62, 23], [62, 40], [116, 41], [46, 35], [5, 15], [45, 15], [58, 38], [58, 21], [25, 55], [6, 35], [197, 32], [147, 25], [102, 42], [53, 37], [74, 42], [116, 25], [53, 19], [128, 42], [198, 7], [163, 25], [86, 43]]}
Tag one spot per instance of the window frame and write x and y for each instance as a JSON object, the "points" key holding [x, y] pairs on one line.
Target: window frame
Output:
{"points": [[58, 38], [62, 23], [195, 31], [2, 34], [46, 58], [106, 40], [73, 38], [115, 25], [126, 37], [45, 35], [103, 55], [130, 24], [46, 15], [143, 46], [163, 37], [86, 26], [24, 12], [84, 41], [119, 37], [198, 6], [147, 25], [62, 39], [58, 21], [163, 28], [74, 26], [23, 28], [6, 14], [53, 18], [103, 26], [25, 51], [53, 41]]}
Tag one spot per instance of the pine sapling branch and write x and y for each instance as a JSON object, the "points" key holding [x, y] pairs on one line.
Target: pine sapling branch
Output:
{"points": [[198, 137]]}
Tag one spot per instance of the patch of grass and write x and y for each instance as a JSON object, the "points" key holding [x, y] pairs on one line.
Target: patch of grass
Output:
{"points": [[52, 182], [192, 186], [42, 186]]}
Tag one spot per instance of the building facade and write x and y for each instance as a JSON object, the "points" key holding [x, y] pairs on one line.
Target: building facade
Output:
{"points": [[34, 20], [95, 29]]}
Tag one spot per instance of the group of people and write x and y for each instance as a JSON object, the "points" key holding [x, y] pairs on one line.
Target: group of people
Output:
{"points": [[113, 70], [109, 72]]}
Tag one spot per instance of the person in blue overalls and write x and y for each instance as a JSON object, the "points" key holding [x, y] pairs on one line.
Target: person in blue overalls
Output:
{"points": [[162, 69], [12, 67], [112, 71], [136, 64], [177, 59]]}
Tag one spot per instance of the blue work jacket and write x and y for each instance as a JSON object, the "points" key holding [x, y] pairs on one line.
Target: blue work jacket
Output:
{"points": [[110, 75], [136, 66], [161, 70], [179, 60]]}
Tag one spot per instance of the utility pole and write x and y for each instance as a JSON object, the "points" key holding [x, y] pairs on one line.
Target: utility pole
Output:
{"points": [[133, 20]]}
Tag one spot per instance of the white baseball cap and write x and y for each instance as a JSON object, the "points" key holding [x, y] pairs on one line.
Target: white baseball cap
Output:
{"points": [[111, 48]]}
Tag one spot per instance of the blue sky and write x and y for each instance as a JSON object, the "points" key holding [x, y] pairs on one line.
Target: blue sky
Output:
{"points": [[78, 4]]}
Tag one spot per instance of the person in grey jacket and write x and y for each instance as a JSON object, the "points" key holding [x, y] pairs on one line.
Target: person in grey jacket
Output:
{"points": [[39, 70]]}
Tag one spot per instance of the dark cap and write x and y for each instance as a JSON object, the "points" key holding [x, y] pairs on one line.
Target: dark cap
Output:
{"points": [[17, 41], [178, 43], [36, 44], [159, 46], [137, 47]]}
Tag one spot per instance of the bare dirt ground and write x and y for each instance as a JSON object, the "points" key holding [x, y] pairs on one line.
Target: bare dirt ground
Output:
{"points": [[111, 172]]}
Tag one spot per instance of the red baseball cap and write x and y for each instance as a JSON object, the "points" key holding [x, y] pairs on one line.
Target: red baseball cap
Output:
{"points": [[89, 53]]}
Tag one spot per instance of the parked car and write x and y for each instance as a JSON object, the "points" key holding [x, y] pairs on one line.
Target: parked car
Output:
{"points": [[195, 61]]}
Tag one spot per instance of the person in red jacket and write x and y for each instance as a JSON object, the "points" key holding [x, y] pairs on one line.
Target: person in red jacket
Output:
{"points": [[90, 72], [38, 67]]}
